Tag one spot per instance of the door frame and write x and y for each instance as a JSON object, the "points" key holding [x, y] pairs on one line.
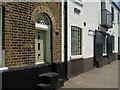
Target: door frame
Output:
{"points": [[47, 51], [49, 29]]}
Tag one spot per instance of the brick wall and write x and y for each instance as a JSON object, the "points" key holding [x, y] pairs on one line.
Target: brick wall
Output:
{"points": [[19, 31]]}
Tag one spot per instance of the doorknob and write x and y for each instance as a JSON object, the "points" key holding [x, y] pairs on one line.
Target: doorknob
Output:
{"points": [[38, 56]]}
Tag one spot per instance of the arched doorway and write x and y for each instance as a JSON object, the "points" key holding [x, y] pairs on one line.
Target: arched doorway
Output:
{"points": [[42, 39]]}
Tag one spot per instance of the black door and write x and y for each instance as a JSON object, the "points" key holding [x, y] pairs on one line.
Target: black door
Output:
{"points": [[109, 46], [98, 46]]}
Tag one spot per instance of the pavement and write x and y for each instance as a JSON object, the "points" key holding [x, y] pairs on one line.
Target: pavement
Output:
{"points": [[104, 77]]}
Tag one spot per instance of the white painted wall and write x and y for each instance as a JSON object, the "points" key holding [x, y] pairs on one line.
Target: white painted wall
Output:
{"points": [[114, 30], [91, 14], [73, 20]]}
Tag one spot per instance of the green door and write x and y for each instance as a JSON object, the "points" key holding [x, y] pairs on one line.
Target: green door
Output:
{"points": [[40, 46]]}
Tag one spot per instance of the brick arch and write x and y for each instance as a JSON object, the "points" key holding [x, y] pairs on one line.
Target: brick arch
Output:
{"points": [[43, 9]]}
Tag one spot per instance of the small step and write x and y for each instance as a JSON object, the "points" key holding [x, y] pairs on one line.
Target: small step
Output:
{"points": [[61, 83], [99, 64], [50, 74], [43, 86], [50, 78]]}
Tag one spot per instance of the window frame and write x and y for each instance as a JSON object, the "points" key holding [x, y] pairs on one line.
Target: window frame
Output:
{"points": [[113, 43], [79, 53], [104, 45], [118, 17], [112, 11], [103, 5]]}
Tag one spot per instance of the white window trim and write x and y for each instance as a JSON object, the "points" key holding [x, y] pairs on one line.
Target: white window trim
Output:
{"points": [[4, 68], [113, 51], [73, 57], [41, 26], [39, 63], [104, 54]]}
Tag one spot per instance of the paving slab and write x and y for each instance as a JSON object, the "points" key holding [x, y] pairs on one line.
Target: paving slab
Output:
{"points": [[104, 77]]}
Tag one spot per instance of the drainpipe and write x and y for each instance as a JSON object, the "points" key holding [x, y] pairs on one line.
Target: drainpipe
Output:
{"points": [[65, 38]]}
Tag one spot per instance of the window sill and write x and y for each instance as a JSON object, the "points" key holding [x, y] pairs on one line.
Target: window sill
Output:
{"points": [[39, 63], [113, 51], [74, 57], [104, 54], [3, 68]]}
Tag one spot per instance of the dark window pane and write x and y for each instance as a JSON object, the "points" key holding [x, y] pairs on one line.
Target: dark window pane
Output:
{"points": [[112, 10], [38, 37], [113, 40], [76, 37], [105, 44], [38, 46]]}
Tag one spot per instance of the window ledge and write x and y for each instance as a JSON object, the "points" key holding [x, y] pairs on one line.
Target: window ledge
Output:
{"points": [[39, 63], [113, 51], [4, 68], [104, 54], [74, 57]]}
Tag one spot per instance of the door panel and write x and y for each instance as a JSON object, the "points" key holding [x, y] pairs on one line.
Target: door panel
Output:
{"points": [[98, 44], [109, 45], [40, 46], [119, 44]]}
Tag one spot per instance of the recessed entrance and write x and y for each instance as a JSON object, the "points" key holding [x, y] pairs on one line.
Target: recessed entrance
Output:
{"points": [[42, 39]]}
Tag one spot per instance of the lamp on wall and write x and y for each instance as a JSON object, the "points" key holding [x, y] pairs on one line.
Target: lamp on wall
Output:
{"points": [[91, 32], [111, 33]]}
